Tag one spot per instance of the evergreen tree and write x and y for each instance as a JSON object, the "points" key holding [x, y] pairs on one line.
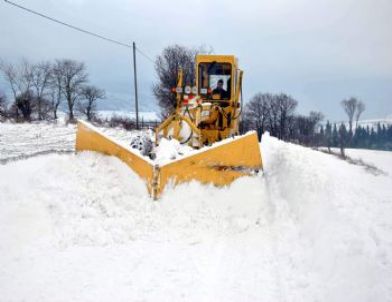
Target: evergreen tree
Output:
{"points": [[373, 138], [328, 135], [335, 136], [368, 137]]}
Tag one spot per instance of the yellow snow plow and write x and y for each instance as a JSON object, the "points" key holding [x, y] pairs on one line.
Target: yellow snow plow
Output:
{"points": [[206, 118]]}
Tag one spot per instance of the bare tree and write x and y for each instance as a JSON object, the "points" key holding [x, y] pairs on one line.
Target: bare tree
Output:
{"points": [[73, 75], [353, 108], [166, 66], [274, 116], [41, 76], [316, 117], [343, 138], [286, 106], [89, 97], [24, 103], [3, 105], [11, 75], [19, 76], [317, 134], [271, 112], [360, 109], [257, 112], [20, 79], [56, 88], [305, 128], [350, 107]]}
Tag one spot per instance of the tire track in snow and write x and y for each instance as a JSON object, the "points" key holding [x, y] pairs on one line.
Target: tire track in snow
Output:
{"points": [[7, 160]]}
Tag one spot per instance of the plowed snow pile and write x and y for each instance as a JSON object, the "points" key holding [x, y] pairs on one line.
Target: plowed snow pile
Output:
{"points": [[81, 228]]}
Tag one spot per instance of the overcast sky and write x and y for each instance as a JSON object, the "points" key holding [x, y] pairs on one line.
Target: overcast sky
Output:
{"points": [[318, 51]]}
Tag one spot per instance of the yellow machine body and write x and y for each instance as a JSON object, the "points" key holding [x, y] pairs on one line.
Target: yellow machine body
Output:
{"points": [[209, 116], [207, 119]]}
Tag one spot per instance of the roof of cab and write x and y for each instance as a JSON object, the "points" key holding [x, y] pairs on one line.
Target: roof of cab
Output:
{"points": [[216, 58]]}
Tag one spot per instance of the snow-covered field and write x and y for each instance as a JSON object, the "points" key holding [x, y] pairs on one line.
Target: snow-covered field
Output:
{"points": [[82, 228], [380, 159], [18, 141], [25, 140]]}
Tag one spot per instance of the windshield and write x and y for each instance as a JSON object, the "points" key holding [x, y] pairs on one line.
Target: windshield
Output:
{"points": [[215, 81]]}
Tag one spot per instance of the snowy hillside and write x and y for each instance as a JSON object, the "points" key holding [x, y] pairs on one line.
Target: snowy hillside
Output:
{"points": [[371, 123], [374, 122], [82, 228], [145, 116]]}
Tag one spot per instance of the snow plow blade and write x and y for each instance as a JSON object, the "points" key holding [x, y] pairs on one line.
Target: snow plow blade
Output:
{"points": [[220, 164], [88, 138]]}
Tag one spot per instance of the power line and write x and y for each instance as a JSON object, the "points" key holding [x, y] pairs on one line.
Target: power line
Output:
{"points": [[145, 55], [79, 29], [69, 25]]}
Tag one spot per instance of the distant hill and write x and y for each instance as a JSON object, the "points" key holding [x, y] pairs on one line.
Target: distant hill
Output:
{"points": [[374, 122], [147, 116], [371, 123]]}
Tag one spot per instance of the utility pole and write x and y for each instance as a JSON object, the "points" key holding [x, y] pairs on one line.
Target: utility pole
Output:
{"points": [[135, 84]]}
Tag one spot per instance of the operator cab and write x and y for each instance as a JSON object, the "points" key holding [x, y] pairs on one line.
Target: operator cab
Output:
{"points": [[215, 76], [215, 81]]}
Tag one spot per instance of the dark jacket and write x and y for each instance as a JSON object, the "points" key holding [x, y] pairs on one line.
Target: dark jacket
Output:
{"points": [[223, 93]]}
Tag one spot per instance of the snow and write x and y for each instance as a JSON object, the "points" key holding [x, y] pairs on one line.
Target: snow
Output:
{"points": [[380, 159], [145, 116], [81, 227], [371, 123], [166, 152], [169, 150], [24, 140], [19, 141]]}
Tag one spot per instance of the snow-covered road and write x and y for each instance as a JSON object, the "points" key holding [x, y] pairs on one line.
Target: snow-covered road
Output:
{"points": [[82, 228]]}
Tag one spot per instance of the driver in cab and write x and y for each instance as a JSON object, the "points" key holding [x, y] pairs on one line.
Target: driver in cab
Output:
{"points": [[219, 92]]}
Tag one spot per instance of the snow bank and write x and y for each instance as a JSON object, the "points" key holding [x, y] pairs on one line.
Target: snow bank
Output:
{"points": [[81, 228]]}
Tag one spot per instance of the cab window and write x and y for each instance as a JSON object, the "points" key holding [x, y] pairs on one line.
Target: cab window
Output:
{"points": [[215, 81]]}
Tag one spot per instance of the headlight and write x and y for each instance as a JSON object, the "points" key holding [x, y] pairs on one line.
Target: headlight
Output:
{"points": [[194, 90]]}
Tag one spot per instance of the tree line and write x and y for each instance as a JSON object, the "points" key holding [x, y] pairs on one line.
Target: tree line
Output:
{"points": [[276, 113], [352, 134], [378, 137], [38, 89]]}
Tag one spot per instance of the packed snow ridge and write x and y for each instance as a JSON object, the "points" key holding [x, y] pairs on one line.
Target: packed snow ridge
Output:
{"points": [[81, 227]]}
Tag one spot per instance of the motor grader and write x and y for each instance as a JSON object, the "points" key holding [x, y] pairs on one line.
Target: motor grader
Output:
{"points": [[206, 117]]}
